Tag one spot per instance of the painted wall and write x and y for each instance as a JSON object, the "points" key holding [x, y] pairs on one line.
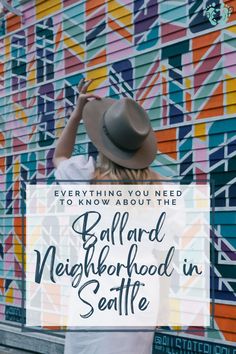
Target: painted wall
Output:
{"points": [[177, 60]]}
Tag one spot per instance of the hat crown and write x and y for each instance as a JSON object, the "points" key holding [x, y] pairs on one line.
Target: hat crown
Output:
{"points": [[126, 123]]}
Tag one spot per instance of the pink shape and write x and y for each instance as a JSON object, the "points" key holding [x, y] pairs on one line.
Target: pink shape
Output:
{"points": [[72, 62], [230, 63], [119, 47], [169, 32], [2, 312], [200, 154], [103, 91], [95, 19], [187, 63], [69, 2], [207, 66], [29, 12]]}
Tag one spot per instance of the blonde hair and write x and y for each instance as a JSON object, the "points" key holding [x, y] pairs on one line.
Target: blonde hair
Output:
{"points": [[110, 171]]}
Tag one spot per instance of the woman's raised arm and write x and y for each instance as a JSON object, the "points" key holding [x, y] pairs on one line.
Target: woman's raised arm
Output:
{"points": [[65, 143]]}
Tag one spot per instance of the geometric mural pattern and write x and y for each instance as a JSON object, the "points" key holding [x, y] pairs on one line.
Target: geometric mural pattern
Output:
{"points": [[170, 57]]}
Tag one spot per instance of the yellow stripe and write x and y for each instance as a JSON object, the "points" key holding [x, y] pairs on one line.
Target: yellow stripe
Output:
{"points": [[32, 77], [122, 13], [199, 130], [187, 83], [231, 29], [7, 48], [18, 250], [174, 306], [230, 94], [47, 7], [100, 74], [9, 296], [20, 113], [74, 46], [163, 68], [16, 167]]}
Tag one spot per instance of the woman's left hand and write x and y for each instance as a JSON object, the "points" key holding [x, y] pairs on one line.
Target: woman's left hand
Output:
{"points": [[66, 141], [83, 95]]}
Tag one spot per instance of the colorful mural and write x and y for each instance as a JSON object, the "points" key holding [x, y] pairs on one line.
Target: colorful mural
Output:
{"points": [[176, 58]]}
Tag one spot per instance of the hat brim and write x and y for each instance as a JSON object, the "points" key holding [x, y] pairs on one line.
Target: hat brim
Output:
{"points": [[93, 121]]}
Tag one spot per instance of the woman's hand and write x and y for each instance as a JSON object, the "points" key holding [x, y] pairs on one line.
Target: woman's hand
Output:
{"points": [[83, 95], [66, 141]]}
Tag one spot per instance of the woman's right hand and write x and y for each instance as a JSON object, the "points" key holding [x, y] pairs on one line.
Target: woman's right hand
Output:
{"points": [[83, 95]]}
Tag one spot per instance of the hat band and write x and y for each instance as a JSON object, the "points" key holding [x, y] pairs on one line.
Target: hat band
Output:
{"points": [[110, 136]]}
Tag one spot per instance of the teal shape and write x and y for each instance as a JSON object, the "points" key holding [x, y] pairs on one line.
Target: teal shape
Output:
{"points": [[173, 11], [76, 13], [175, 93], [74, 79], [218, 129], [185, 147], [151, 39]]}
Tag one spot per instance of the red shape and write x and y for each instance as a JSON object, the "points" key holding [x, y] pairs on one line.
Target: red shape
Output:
{"points": [[18, 145], [17, 268], [207, 66], [8, 243], [41, 168], [169, 32], [72, 63], [200, 175]]}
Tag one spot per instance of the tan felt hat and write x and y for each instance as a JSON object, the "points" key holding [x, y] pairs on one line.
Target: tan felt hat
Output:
{"points": [[121, 130]]}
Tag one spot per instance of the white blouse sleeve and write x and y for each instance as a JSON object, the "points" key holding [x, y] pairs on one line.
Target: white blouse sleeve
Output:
{"points": [[75, 168]]}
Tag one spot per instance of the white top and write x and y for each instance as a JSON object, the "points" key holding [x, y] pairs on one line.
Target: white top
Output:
{"points": [[78, 167]]}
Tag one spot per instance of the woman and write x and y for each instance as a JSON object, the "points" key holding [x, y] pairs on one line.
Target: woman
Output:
{"points": [[122, 133]]}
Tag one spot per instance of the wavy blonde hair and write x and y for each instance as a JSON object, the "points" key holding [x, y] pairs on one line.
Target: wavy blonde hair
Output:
{"points": [[110, 171]]}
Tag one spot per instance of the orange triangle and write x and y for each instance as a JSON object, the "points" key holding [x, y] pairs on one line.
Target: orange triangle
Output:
{"points": [[100, 58], [214, 104], [225, 317], [58, 36], [166, 142], [2, 164], [198, 49], [2, 139], [2, 285]]}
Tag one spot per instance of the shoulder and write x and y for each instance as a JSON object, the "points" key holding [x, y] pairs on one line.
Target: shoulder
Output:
{"points": [[158, 176], [80, 161], [76, 167]]}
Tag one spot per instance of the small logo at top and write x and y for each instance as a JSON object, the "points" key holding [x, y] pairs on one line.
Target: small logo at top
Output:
{"points": [[218, 13]]}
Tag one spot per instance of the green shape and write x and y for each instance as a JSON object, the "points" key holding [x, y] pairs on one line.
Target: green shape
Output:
{"points": [[94, 48], [75, 32], [142, 64], [231, 41], [203, 93]]}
